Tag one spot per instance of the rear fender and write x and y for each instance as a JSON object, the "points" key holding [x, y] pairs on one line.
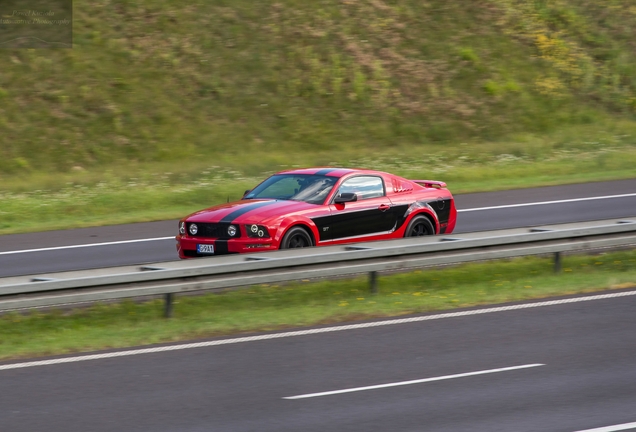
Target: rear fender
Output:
{"points": [[421, 208]]}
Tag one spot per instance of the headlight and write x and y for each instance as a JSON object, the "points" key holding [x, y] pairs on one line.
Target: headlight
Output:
{"points": [[194, 229], [231, 230], [182, 230], [258, 231]]}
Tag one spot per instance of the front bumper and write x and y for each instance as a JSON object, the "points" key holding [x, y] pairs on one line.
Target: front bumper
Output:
{"points": [[187, 246]]}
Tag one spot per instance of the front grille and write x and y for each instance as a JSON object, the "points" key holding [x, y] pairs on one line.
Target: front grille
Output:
{"points": [[215, 230]]}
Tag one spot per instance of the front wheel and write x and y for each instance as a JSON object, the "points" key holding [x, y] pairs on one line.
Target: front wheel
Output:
{"points": [[296, 237], [419, 226]]}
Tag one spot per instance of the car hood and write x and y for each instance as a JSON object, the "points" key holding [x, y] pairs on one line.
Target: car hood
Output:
{"points": [[249, 211]]}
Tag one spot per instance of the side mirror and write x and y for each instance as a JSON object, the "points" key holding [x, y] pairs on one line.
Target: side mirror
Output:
{"points": [[246, 192], [346, 197]]}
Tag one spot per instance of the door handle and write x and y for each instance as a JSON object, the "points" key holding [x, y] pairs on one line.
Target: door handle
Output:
{"points": [[384, 207]]}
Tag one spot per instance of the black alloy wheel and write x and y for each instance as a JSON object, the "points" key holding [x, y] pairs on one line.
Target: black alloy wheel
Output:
{"points": [[296, 237], [419, 226]]}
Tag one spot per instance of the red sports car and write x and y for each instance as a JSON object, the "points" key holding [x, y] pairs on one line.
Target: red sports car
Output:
{"points": [[319, 207]]}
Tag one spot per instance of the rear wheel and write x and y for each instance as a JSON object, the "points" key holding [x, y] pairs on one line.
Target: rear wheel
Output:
{"points": [[419, 226], [296, 237]]}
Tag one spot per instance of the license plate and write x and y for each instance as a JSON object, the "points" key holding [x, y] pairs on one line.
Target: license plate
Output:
{"points": [[205, 249]]}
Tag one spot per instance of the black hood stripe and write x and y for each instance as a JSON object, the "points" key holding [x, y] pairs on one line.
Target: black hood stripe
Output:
{"points": [[244, 209]]}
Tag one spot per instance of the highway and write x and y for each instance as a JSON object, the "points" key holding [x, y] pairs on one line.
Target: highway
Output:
{"points": [[559, 366], [133, 244]]}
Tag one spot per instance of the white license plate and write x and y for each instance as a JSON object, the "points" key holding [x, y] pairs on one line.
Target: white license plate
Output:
{"points": [[205, 249]]}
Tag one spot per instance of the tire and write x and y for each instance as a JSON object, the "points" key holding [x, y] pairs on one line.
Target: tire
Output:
{"points": [[296, 237], [419, 226]]}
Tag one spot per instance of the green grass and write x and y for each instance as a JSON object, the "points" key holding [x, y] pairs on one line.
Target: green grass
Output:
{"points": [[266, 308], [128, 125], [136, 193]]}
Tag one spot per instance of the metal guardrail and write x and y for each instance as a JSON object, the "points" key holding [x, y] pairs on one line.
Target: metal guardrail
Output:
{"points": [[223, 272]]}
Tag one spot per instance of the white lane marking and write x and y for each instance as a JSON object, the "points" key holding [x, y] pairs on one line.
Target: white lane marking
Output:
{"points": [[418, 381], [312, 331], [547, 202], [619, 427], [86, 245], [171, 237]]}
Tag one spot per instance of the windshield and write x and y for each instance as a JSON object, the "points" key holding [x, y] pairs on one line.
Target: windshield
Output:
{"points": [[312, 189]]}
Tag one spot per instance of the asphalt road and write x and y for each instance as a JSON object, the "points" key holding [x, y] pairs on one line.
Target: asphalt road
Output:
{"points": [[558, 368], [564, 367], [133, 244]]}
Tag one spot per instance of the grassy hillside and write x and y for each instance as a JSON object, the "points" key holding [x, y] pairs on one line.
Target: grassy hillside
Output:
{"points": [[165, 91], [155, 80]]}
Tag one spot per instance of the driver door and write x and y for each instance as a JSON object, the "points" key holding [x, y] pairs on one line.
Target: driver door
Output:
{"points": [[370, 215]]}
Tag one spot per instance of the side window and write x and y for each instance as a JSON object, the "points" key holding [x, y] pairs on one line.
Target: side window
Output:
{"points": [[364, 186]]}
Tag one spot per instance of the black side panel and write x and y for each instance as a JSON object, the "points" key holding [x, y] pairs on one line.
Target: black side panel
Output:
{"points": [[323, 224], [442, 209], [360, 222], [349, 223], [399, 213]]}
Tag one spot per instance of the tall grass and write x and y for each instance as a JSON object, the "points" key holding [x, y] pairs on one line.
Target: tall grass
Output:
{"points": [[152, 81]]}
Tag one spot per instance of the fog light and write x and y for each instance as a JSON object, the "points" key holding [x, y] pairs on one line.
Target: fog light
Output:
{"points": [[231, 230], [194, 229], [182, 229], [257, 231]]}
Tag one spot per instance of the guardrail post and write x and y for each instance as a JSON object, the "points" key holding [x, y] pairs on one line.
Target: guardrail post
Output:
{"points": [[373, 282], [557, 262], [167, 312]]}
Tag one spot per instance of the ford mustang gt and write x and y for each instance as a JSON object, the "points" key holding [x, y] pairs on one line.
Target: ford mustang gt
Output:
{"points": [[319, 207]]}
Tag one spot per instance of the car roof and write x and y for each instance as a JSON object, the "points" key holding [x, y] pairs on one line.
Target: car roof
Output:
{"points": [[330, 171]]}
